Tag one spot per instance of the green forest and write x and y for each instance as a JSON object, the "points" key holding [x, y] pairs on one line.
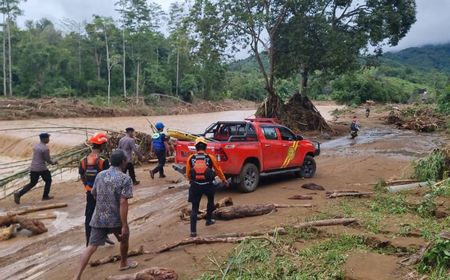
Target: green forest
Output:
{"points": [[186, 51]]}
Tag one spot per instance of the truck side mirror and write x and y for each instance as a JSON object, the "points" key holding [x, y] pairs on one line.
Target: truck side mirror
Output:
{"points": [[299, 137]]}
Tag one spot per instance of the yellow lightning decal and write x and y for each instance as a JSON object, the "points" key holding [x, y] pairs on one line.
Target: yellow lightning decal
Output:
{"points": [[290, 155]]}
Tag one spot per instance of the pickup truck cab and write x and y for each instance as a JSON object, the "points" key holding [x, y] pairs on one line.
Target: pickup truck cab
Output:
{"points": [[247, 150]]}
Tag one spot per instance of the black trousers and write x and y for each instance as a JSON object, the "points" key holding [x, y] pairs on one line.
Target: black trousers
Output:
{"points": [[90, 207], [195, 195], [161, 155], [34, 178], [131, 173]]}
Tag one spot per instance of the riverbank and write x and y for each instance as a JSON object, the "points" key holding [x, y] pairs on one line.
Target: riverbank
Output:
{"points": [[47, 108]]}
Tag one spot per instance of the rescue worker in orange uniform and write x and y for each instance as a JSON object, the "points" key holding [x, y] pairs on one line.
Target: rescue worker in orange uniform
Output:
{"points": [[201, 170], [90, 166]]}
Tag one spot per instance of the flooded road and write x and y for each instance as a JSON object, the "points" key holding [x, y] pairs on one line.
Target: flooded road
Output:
{"points": [[379, 152]]}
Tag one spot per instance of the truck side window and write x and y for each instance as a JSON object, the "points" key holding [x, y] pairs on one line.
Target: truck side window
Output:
{"points": [[270, 133], [286, 134]]}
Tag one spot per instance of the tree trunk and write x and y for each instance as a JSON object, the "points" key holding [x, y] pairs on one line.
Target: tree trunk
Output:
{"points": [[153, 273], [108, 65], [303, 79], [138, 72], [178, 71], [124, 60], [98, 63], [5, 83], [10, 57]]}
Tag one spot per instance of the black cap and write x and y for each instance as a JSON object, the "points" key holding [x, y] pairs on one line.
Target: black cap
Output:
{"points": [[44, 135], [129, 129], [117, 157]]}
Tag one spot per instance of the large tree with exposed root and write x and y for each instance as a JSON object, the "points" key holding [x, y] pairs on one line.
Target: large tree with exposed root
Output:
{"points": [[301, 36]]}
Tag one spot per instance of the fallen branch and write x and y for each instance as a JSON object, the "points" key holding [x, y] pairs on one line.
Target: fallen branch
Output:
{"points": [[329, 222], [301, 197], [153, 273], [239, 237], [115, 258], [31, 209], [35, 226], [400, 182], [418, 256], [349, 194]]}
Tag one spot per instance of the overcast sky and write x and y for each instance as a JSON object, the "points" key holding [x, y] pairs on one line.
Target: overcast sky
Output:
{"points": [[432, 26]]}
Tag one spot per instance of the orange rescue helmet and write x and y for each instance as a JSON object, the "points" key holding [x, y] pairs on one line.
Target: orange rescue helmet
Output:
{"points": [[200, 140], [98, 138]]}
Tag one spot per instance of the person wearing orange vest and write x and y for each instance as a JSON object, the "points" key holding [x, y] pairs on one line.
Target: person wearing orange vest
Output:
{"points": [[201, 170], [90, 166]]}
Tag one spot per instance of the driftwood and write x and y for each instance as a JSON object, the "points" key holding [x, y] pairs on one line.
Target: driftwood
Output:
{"points": [[31, 209], [301, 197], [35, 226], [153, 273], [347, 194], [400, 182], [399, 188], [242, 211], [42, 217], [239, 237], [115, 258], [7, 232], [418, 256], [329, 222], [312, 186]]}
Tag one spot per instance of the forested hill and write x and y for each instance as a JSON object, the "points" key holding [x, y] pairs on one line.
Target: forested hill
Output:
{"points": [[430, 57]]}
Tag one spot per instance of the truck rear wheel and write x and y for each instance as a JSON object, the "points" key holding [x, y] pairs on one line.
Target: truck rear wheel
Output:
{"points": [[308, 169], [249, 178]]}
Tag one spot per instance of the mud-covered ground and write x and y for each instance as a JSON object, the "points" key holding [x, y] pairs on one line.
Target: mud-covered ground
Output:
{"points": [[379, 152]]}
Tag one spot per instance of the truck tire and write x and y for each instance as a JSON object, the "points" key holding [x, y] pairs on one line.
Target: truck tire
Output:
{"points": [[308, 169], [249, 178]]}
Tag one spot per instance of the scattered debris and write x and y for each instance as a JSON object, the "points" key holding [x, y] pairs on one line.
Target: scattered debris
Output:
{"points": [[153, 273], [314, 187], [242, 211], [301, 197], [35, 226], [348, 194], [418, 256], [422, 119]]}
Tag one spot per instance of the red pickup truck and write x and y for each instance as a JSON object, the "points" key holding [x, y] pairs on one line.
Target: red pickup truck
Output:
{"points": [[247, 150]]}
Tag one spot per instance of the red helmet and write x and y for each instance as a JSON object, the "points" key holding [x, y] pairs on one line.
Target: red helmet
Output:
{"points": [[98, 138]]}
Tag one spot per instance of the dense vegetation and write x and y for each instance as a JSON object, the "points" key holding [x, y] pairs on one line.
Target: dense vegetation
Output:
{"points": [[133, 57]]}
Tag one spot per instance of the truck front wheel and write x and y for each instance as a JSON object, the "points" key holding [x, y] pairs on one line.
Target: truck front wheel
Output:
{"points": [[249, 178], [308, 168]]}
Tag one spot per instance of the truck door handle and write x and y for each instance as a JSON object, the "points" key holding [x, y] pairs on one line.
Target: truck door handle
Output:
{"points": [[267, 145]]}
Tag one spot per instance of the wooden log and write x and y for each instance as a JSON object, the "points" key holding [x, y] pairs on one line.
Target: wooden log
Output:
{"points": [[186, 212], [238, 237], [399, 188], [115, 258], [312, 186], [168, 160], [301, 197], [351, 194], [42, 217], [35, 226], [293, 205], [7, 232], [400, 182], [241, 211], [323, 223], [31, 209], [153, 273], [200, 240]]}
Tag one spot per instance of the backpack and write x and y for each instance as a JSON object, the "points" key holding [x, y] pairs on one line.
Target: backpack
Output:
{"points": [[202, 168], [91, 166]]}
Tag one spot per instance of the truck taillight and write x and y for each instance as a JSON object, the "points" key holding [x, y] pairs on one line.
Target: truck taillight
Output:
{"points": [[221, 155]]}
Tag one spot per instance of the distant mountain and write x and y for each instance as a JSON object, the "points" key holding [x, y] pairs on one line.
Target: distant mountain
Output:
{"points": [[430, 57]]}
